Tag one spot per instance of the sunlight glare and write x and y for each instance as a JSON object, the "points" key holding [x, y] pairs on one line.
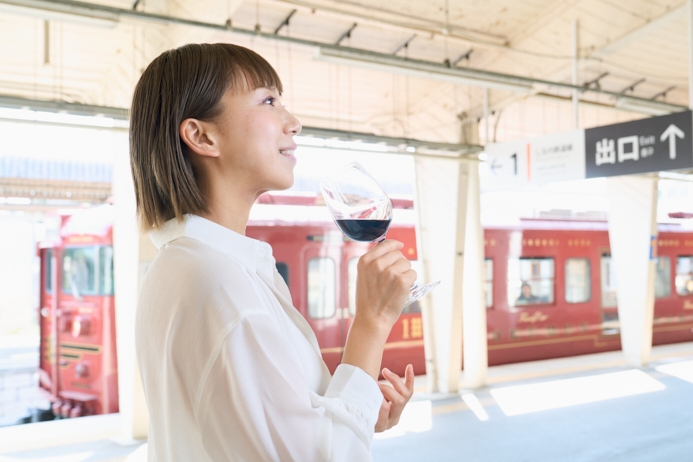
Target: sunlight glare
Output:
{"points": [[682, 370], [534, 397], [416, 418], [474, 404]]}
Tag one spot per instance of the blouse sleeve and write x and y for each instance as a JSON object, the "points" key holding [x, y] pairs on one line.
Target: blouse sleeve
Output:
{"points": [[255, 404]]}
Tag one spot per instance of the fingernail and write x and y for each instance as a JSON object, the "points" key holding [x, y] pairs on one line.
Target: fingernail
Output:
{"points": [[386, 371]]}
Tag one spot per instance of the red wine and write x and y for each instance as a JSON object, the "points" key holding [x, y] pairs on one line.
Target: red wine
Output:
{"points": [[363, 230]]}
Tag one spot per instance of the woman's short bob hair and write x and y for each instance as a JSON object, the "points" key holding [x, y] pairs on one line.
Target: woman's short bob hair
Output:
{"points": [[186, 82]]}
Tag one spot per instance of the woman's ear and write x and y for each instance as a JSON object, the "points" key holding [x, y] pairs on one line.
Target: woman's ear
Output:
{"points": [[199, 137]]}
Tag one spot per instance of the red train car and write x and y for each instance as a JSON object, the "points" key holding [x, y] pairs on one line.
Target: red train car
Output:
{"points": [[319, 265], [77, 368], [551, 290], [549, 287]]}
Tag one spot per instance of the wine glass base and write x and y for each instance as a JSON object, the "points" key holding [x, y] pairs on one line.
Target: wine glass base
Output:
{"points": [[417, 291]]}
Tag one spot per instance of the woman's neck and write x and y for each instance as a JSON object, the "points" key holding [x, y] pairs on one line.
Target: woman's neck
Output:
{"points": [[230, 209]]}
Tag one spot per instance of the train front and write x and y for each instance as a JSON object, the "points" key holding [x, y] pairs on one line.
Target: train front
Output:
{"points": [[78, 369]]}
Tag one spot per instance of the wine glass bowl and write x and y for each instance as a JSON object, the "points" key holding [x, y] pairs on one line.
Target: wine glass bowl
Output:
{"points": [[358, 204], [362, 210]]}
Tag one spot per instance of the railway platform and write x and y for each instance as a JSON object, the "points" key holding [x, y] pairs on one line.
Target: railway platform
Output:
{"points": [[584, 408]]}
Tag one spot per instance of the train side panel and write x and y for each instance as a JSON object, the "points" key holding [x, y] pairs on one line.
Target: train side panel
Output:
{"points": [[673, 311], [561, 314]]}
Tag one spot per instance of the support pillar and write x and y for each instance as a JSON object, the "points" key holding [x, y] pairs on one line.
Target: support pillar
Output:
{"points": [[131, 252], [451, 249], [633, 238], [474, 338]]}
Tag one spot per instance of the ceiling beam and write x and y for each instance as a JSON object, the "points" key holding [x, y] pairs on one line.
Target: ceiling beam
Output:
{"points": [[639, 33], [422, 147], [479, 77]]}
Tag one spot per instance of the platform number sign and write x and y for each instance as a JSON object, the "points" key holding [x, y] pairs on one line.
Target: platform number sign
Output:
{"points": [[507, 164], [647, 145], [555, 157]]}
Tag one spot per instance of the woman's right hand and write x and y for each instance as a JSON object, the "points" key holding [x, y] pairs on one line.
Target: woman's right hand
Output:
{"points": [[382, 285], [382, 288]]}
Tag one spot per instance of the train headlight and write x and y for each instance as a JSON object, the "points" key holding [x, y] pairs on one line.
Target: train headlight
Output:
{"points": [[81, 326], [65, 321], [82, 370]]}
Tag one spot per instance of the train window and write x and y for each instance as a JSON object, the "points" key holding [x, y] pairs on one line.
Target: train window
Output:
{"points": [[321, 288], [608, 282], [283, 270], [577, 280], [79, 274], [351, 285], [684, 275], [530, 281], [663, 277], [106, 270], [488, 282], [49, 271]]}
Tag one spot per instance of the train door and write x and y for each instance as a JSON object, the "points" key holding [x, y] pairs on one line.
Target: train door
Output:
{"points": [[322, 264], [47, 320], [608, 300]]}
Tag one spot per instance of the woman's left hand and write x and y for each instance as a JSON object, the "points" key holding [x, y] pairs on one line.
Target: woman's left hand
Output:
{"points": [[395, 397]]}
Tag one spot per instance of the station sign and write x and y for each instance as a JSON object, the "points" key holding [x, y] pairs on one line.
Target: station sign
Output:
{"points": [[648, 145], [555, 157]]}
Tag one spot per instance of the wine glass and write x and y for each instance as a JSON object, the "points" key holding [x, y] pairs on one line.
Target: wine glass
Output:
{"points": [[363, 211]]}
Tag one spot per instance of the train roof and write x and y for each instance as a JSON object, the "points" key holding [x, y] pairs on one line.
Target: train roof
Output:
{"points": [[540, 224], [98, 221], [95, 221], [301, 215]]}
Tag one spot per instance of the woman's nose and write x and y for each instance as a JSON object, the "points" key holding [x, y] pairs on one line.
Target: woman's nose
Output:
{"points": [[293, 126]]}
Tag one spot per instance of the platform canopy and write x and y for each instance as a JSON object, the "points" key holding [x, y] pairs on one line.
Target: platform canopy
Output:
{"points": [[395, 68]]}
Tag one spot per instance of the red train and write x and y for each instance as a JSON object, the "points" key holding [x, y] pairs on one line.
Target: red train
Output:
{"points": [[550, 292], [78, 370]]}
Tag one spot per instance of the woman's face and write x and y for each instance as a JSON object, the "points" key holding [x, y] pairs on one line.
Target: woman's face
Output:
{"points": [[256, 140]]}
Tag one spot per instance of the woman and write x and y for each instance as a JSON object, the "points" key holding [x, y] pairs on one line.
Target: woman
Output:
{"points": [[231, 370]]}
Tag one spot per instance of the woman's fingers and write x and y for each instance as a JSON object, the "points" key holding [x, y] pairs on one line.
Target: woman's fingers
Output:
{"points": [[399, 393], [404, 387], [382, 248], [382, 287], [390, 394], [409, 378], [383, 422]]}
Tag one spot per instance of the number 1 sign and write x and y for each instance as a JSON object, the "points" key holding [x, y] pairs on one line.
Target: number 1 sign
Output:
{"points": [[556, 157]]}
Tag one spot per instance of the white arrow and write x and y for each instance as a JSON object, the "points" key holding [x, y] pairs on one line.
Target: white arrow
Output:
{"points": [[672, 132]]}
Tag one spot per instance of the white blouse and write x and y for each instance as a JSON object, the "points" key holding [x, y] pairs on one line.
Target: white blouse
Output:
{"points": [[231, 370]]}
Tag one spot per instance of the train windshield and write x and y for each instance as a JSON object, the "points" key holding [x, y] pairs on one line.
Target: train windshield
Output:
{"points": [[87, 270]]}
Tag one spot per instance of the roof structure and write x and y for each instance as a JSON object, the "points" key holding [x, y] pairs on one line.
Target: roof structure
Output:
{"points": [[92, 53]]}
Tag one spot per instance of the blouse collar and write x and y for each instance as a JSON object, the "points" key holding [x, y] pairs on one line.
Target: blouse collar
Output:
{"points": [[229, 242]]}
